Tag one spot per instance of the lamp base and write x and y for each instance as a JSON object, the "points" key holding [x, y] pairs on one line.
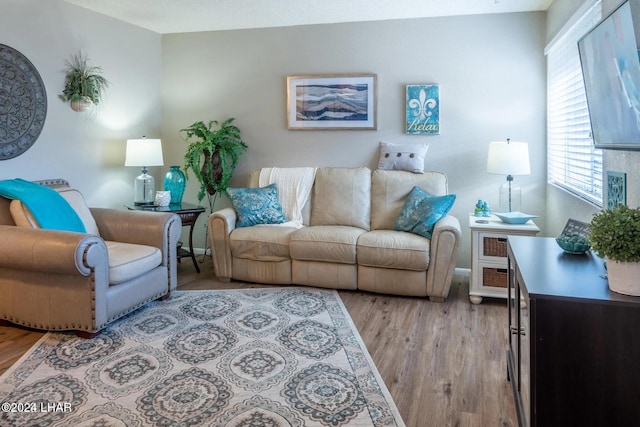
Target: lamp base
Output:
{"points": [[510, 197], [144, 189]]}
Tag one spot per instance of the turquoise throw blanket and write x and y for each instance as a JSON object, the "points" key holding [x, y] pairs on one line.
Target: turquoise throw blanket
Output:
{"points": [[49, 208]]}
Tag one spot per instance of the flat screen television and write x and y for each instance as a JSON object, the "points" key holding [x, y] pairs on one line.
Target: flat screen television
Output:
{"points": [[611, 71]]}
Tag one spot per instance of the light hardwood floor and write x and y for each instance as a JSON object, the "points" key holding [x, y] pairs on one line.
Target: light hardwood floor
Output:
{"points": [[444, 363]]}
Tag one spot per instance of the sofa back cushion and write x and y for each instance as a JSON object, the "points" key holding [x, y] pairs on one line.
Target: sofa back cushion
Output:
{"points": [[390, 188], [23, 217], [77, 202], [342, 196]]}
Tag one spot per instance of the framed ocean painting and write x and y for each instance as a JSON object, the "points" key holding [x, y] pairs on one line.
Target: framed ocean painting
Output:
{"points": [[422, 110], [331, 102]]}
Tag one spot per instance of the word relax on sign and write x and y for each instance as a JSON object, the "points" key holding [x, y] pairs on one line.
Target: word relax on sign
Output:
{"points": [[416, 125]]}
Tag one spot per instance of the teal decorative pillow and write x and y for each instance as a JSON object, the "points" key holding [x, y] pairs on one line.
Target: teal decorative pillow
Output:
{"points": [[421, 211], [256, 205]]}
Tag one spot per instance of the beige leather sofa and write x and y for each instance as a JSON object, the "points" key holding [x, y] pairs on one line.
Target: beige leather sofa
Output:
{"points": [[348, 241], [59, 280]]}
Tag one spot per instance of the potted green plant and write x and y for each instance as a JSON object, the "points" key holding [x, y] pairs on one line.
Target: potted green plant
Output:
{"points": [[83, 84], [213, 153], [615, 235]]}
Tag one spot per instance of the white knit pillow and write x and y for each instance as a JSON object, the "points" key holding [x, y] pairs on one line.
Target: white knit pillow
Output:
{"points": [[407, 157]]}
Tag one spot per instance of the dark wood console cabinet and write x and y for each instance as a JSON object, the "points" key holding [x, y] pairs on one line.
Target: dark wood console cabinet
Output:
{"points": [[574, 346]]}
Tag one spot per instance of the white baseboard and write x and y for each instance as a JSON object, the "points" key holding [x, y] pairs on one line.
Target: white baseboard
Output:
{"points": [[466, 272], [199, 251]]}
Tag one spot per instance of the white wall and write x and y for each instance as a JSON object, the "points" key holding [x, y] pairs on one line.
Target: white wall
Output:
{"points": [[490, 69], [558, 13], [87, 150]]}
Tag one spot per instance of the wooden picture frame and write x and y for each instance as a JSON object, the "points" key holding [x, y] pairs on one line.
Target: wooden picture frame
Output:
{"points": [[333, 101]]}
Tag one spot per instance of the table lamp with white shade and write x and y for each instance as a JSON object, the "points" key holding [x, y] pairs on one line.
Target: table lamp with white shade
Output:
{"points": [[509, 158], [144, 152]]}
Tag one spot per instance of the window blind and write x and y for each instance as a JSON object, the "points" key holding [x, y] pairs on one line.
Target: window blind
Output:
{"points": [[572, 161]]}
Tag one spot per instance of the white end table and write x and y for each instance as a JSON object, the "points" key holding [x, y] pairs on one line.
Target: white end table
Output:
{"points": [[489, 255]]}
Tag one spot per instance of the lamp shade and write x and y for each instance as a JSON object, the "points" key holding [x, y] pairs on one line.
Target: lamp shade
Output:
{"points": [[508, 158], [143, 152]]}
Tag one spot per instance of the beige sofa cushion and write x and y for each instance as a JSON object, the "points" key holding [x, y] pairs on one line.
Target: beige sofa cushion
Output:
{"points": [[341, 196], [23, 218], [261, 243], [77, 202], [326, 243], [128, 261], [393, 249], [389, 190]]}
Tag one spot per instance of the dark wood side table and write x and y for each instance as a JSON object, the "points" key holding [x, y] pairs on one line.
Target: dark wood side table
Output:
{"points": [[574, 345], [188, 213]]}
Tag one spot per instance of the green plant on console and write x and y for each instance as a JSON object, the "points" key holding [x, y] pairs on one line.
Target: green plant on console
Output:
{"points": [[213, 153], [615, 234], [83, 82]]}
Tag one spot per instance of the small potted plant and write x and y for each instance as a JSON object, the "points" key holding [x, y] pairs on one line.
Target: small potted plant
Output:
{"points": [[83, 84], [213, 153], [615, 235]]}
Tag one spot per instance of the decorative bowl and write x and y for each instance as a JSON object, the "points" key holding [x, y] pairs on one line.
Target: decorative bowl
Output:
{"points": [[514, 217], [573, 243]]}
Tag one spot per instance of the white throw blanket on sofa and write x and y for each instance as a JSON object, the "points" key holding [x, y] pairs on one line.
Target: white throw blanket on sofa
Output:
{"points": [[294, 188]]}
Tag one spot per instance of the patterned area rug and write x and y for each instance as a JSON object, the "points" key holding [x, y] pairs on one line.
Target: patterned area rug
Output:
{"points": [[249, 357]]}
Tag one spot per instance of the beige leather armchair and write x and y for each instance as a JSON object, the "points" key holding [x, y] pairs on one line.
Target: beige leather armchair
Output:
{"points": [[58, 280]]}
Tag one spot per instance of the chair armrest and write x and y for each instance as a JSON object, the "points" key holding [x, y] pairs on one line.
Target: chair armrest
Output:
{"points": [[139, 227], [445, 241], [158, 229], [51, 251], [220, 224]]}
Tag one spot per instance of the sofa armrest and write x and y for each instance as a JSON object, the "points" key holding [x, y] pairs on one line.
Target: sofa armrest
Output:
{"points": [[447, 224], [445, 241], [55, 280], [52, 251], [221, 223], [138, 227]]}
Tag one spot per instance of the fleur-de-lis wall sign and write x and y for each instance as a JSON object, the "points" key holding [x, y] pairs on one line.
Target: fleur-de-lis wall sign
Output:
{"points": [[423, 109]]}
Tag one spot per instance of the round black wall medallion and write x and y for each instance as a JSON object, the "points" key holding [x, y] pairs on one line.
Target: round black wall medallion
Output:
{"points": [[23, 103]]}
